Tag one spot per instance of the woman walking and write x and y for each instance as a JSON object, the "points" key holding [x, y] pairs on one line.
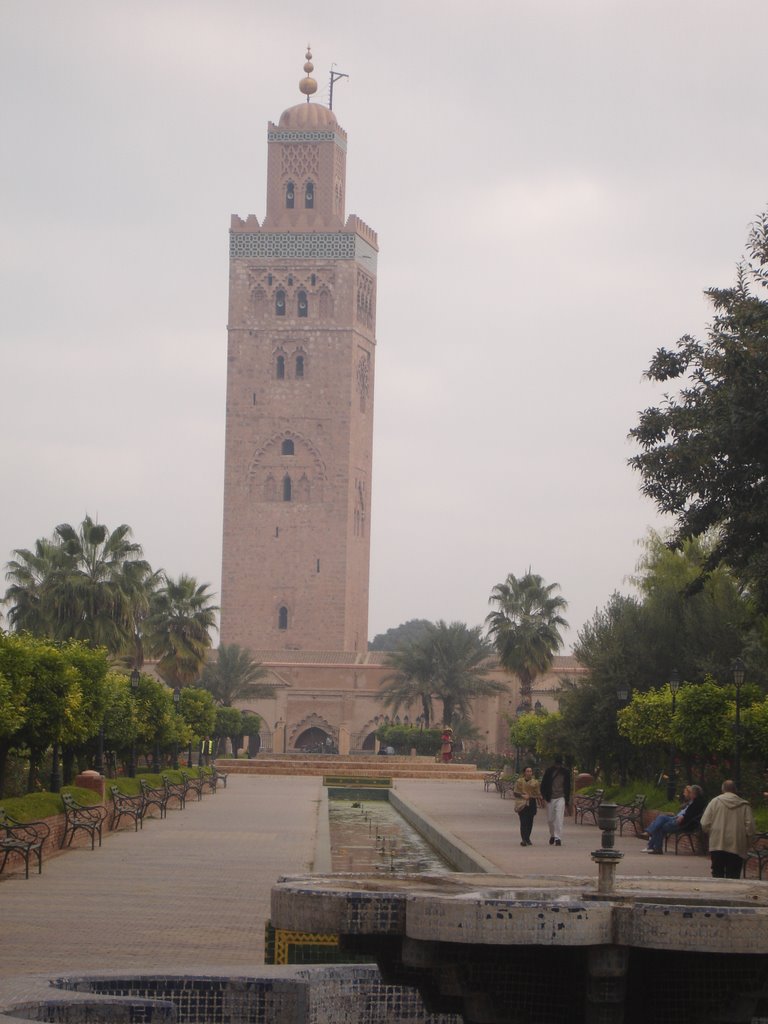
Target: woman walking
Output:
{"points": [[527, 797]]}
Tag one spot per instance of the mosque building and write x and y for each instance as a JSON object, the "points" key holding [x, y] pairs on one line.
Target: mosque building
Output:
{"points": [[298, 450]]}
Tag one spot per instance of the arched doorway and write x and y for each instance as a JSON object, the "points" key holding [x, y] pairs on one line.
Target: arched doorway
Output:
{"points": [[369, 743], [315, 741]]}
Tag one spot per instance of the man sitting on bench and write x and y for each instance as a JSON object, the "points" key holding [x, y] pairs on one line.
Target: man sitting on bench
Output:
{"points": [[686, 817]]}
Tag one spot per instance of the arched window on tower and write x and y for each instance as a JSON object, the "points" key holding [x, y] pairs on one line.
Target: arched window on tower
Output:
{"points": [[309, 195], [282, 618], [290, 196], [287, 447], [280, 368], [302, 304], [299, 367], [280, 302], [286, 488]]}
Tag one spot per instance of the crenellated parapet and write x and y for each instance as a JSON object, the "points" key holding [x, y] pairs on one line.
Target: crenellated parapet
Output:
{"points": [[251, 223], [354, 223]]}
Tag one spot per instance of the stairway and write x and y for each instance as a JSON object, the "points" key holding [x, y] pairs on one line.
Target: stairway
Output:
{"points": [[370, 766]]}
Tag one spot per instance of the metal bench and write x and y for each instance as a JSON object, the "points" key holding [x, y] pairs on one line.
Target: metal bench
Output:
{"points": [[758, 852], [82, 817], [195, 785], [23, 838], [127, 806], [632, 814], [209, 781], [175, 791], [491, 780], [584, 805], [220, 776], [154, 797], [692, 835]]}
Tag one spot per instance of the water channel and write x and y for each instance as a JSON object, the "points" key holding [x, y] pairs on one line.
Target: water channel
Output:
{"points": [[371, 836]]}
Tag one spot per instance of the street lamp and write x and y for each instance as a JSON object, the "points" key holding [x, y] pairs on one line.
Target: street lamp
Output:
{"points": [[176, 699], [521, 710], [739, 671], [674, 686], [135, 677], [622, 698]]}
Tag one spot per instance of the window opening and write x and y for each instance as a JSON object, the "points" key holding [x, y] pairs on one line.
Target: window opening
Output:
{"points": [[280, 302], [286, 488], [281, 367], [290, 281], [318, 565], [309, 196], [302, 303], [299, 366], [282, 618], [269, 279], [277, 531], [289, 196], [313, 280], [287, 447]]}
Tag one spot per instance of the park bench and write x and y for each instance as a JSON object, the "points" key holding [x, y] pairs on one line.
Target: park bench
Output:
{"points": [[631, 814], [126, 806], [220, 776], [208, 781], [154, 796], [505, 787], [175, 791], [23, 838], [195, 785], [82, 818], [758, 852], [584, 805], [491, 780], [692, 834]]}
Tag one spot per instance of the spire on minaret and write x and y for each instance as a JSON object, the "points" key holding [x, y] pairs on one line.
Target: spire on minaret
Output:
{"points": [[308, 85]]}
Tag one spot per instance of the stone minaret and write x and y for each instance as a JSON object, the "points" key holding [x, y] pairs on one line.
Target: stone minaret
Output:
{"points": [[297, 490]]}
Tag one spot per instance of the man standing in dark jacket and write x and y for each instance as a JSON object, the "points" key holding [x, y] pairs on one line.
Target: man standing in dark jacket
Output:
{"points": [[556, 790]]}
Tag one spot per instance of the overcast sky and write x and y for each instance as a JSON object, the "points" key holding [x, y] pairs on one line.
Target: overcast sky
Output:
{"points": [[553, 182]]}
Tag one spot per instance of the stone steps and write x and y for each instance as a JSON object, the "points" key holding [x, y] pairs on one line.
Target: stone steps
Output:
{"points": [[392, 768]]}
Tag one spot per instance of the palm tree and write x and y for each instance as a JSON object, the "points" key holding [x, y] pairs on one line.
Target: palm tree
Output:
{"points": [[177, 628], [234, 675], [31, 575], [444, 662], [83, 584], [412, 680], [460, 656], [525, 628], [106, 584]]}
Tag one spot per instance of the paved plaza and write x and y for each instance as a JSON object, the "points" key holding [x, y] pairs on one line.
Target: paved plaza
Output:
{"points": [[191, 893]]}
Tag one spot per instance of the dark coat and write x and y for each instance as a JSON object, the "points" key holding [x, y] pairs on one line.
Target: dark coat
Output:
{"points": [[546, 782]]}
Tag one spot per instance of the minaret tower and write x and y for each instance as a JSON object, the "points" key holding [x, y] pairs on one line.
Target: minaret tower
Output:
{"points": [[299, 422]]}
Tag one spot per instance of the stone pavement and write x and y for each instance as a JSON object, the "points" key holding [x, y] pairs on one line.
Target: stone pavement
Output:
{"points": [[192, 892]]}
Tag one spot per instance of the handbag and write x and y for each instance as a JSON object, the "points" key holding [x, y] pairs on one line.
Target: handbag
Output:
{"points": [[521, 802]]}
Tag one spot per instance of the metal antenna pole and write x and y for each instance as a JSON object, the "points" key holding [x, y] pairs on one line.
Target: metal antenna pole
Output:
{"points": [[335, 76]]}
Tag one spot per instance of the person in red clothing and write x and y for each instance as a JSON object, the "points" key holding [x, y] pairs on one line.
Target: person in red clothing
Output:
{"points": [[446, 750]]}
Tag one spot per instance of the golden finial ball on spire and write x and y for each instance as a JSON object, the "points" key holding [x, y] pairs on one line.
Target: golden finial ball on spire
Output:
{"points": [[308, 85]]}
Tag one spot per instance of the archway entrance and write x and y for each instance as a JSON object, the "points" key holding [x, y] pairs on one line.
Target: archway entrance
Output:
{"points": [[315, 741]]}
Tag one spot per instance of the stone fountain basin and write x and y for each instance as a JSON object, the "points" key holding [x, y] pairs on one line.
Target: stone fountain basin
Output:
{"points": [[683, 914]]}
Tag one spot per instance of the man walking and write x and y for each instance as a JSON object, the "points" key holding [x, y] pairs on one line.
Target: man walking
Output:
{"points": [[556, 790], [730, 826]]}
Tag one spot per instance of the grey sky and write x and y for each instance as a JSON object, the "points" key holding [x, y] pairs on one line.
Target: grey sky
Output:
{"points": [[553, 182]]}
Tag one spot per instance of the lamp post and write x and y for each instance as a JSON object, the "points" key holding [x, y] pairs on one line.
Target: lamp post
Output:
{"points": [[521, 710], [176, 699], [674, 686], [738, 669], [622, 699], [135, 677]]}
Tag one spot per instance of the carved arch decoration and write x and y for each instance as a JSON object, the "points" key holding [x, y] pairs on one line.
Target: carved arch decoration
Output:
{"points": [[269, 466], [311, 721]]}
